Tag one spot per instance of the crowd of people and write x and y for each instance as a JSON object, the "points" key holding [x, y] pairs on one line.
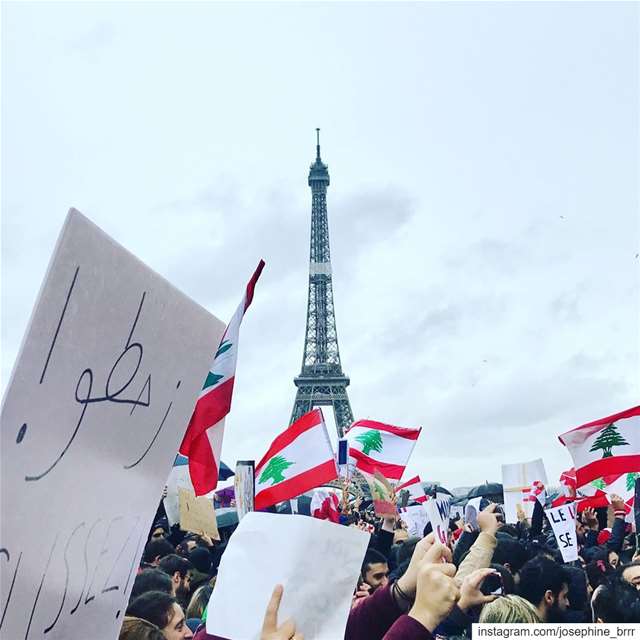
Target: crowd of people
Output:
{"points": [[414, 588]]}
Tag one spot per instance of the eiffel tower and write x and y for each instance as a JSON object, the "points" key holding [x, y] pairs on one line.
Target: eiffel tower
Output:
{"points": [[321, 381]]}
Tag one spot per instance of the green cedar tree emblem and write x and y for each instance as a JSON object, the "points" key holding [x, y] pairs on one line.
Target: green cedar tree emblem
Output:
{"points": [[609, 437], [370, 440], [379, 490], [599, 484], [631, 481], [212, 378], [273, 470]]}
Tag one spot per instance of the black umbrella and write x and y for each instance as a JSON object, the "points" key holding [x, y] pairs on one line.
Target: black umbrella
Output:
{"points": [[431, 489], [491, 490]]}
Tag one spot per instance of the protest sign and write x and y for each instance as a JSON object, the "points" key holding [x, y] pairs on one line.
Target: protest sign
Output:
{"points": [[268, 549], [197, 514], [416, 519], [438, 510], [517, 480], [100, 395], [244, 483], [563, 523], [178, 479]]}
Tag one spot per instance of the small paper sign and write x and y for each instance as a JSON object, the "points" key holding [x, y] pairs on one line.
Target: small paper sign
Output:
{"points": [[244, 483], [438, 511], [197, 514], [416, 519], [563, 523]]}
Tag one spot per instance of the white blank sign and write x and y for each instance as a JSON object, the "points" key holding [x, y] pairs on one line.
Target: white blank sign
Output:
{"points": [[100, 395]]}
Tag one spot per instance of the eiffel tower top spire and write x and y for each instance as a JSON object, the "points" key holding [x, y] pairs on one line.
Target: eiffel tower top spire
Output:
{"points": [[318, 172]]}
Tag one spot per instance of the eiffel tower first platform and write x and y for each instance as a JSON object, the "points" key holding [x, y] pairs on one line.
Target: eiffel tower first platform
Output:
{"points": [[321, 381]]}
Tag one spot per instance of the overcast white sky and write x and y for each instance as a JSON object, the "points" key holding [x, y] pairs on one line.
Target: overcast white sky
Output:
{"points": [[483, 205]]}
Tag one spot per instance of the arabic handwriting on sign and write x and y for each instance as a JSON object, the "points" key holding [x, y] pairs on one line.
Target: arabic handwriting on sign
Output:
{"points": [[126, 367]]}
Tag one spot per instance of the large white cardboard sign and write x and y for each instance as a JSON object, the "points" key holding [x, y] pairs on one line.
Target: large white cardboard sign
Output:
{"points": [[563, 523], [438, 510], [104, 385], [517, 480], [268, 549]]}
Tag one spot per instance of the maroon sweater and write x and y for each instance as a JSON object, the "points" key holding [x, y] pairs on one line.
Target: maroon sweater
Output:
{"points": [[377, 617]]}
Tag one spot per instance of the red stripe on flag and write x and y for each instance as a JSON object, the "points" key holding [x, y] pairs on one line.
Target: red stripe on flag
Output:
{"points": [[203, 468], [414, 480], [369, 465], [252, 284], [209, 410], [615, 465], [302, 424], [292, 487], [403, 432], [629, 413]]}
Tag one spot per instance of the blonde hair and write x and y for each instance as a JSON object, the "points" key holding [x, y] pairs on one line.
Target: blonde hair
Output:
{"points": [[509, 609], [138, 629]]}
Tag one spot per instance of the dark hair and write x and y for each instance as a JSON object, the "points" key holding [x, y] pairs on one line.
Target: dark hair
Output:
{"points": [[200, 558], [511, 552], [372, 557], [139, 629], [592, 554], [597, 571], [578, 596], [540, 575], [617, 601], [509, 530], [157, 547], [150, 580], [154, 606], [173, 562]]}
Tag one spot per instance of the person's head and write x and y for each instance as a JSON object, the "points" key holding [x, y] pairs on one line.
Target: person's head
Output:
{"points": [[375, 569], [631, 573], [199, 601], [508, 583], [151, 580], [139, 629], [179, 570], [597, 572], [616, 601], [509, 530], [578, 595], [162, 610], [613, 558], [509, 609], [509, 553], [155, 550], [545, 584], [200, 558]]}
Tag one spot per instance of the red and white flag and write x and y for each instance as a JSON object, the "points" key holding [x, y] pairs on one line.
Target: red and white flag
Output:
{"points": [[535, 492], [414, 487], [202, 442], [301, 458], [374, 445], [324, 505], [568, 483], [606, 447]]}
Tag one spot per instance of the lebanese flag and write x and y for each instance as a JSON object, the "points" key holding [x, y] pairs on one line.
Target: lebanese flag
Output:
{"points": [[414, 487], [374, 445], [301, 458], [202, 442], [324, 505], [606, 447]]}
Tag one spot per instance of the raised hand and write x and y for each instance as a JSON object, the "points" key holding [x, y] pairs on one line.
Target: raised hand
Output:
{"points": [[437, 592], [590, 519], [487, 519], [470, 594], [426, 550], [270, 628]]}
